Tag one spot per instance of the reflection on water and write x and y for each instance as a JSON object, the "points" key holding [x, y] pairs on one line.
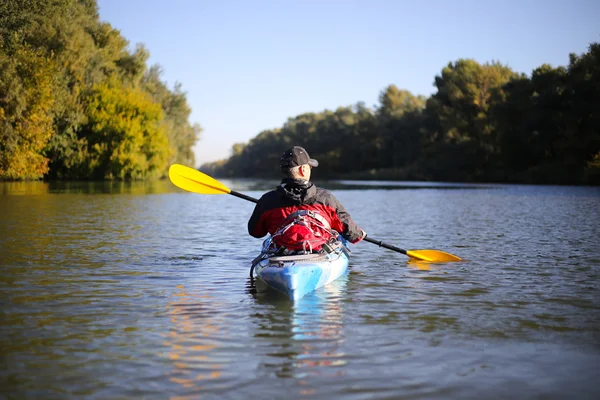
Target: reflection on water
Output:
{"points": [[193, 339], [311, 326], [418, 264], [73, 187]]}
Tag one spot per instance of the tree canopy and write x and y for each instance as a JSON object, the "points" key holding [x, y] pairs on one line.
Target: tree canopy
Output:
{"points": [[77, 103], [484, 123]]}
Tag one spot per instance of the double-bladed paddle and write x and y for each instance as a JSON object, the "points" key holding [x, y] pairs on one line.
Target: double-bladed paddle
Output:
{"points": [[195, 181]]}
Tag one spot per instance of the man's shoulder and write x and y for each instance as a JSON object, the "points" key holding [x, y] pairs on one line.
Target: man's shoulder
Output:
{"points": [[324, 194], [321, 190], [270, 194]]}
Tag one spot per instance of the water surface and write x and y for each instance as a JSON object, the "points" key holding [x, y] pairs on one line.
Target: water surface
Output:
{"points": [[142, 291]]}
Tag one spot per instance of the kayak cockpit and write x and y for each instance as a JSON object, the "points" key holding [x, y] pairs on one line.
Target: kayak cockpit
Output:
{"points": [[298, 274]]}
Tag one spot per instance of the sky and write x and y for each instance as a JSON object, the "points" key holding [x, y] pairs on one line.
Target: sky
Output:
{"points": [[249, 65]]}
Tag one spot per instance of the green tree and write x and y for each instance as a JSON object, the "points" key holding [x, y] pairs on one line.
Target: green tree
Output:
{"points": [[549, 123], [485, 122], [181, 133], [85, 56], [581, 139], [399, 121], [528, 121], [460, 121]]}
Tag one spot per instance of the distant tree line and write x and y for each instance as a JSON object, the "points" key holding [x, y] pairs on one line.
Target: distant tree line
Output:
{"points": [[485, 123], [75, 103]]}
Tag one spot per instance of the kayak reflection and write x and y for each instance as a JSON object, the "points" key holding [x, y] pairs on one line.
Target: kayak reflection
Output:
{"points": [[305, 336]]}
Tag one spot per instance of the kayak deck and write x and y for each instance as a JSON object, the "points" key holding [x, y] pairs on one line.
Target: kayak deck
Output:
{"points": [[297, 275]]}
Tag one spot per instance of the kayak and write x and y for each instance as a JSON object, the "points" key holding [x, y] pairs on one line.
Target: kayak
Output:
{"points": [[299, 274]]}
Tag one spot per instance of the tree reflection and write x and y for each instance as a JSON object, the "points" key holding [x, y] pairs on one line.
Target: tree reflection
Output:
{"points": [[193, 340]]}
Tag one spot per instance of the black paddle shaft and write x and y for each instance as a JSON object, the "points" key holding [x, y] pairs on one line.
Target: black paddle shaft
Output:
{"points": [[387, 246], [243, 196]]}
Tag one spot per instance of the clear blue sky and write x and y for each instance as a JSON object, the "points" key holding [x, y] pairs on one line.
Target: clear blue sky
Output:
{"points": [[249, 65]]}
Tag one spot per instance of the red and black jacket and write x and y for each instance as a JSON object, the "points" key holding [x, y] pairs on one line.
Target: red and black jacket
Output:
{"points": [[293, 195]]}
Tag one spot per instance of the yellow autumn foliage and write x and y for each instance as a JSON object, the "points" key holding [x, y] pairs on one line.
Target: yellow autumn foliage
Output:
{"points": [[25, 113], [125, 133]]}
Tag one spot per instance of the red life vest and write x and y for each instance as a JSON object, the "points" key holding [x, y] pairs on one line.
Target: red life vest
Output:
{"points": [[304, 230]]}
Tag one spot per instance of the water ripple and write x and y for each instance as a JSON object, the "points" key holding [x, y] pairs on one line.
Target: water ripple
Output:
{"points": [[148, 296]]}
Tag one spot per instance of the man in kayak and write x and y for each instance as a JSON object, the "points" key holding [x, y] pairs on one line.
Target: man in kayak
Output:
{"points": [[298, 215]]}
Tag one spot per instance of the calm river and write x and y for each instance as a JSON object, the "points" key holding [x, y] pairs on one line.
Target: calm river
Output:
{"points": [[115, 291]]}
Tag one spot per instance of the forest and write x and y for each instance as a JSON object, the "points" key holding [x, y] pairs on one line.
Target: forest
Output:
{"points": [[77, 103], [483, 123]]}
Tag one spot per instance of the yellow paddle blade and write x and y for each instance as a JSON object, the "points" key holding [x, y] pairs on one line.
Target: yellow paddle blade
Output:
{"points": [[192, 180], [432, 255]]}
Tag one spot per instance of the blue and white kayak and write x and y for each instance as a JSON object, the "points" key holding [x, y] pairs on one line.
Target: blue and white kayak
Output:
{"points": [[297, 275]]}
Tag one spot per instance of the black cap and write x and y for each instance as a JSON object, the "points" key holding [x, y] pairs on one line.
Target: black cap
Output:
{"points": [[295, 157]]}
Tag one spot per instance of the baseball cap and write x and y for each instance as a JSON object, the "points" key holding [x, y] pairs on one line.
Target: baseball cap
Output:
{"points": [[295, 157]]}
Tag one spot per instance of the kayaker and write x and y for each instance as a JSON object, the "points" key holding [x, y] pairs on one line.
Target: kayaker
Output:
{"points": [[297, 214]]}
